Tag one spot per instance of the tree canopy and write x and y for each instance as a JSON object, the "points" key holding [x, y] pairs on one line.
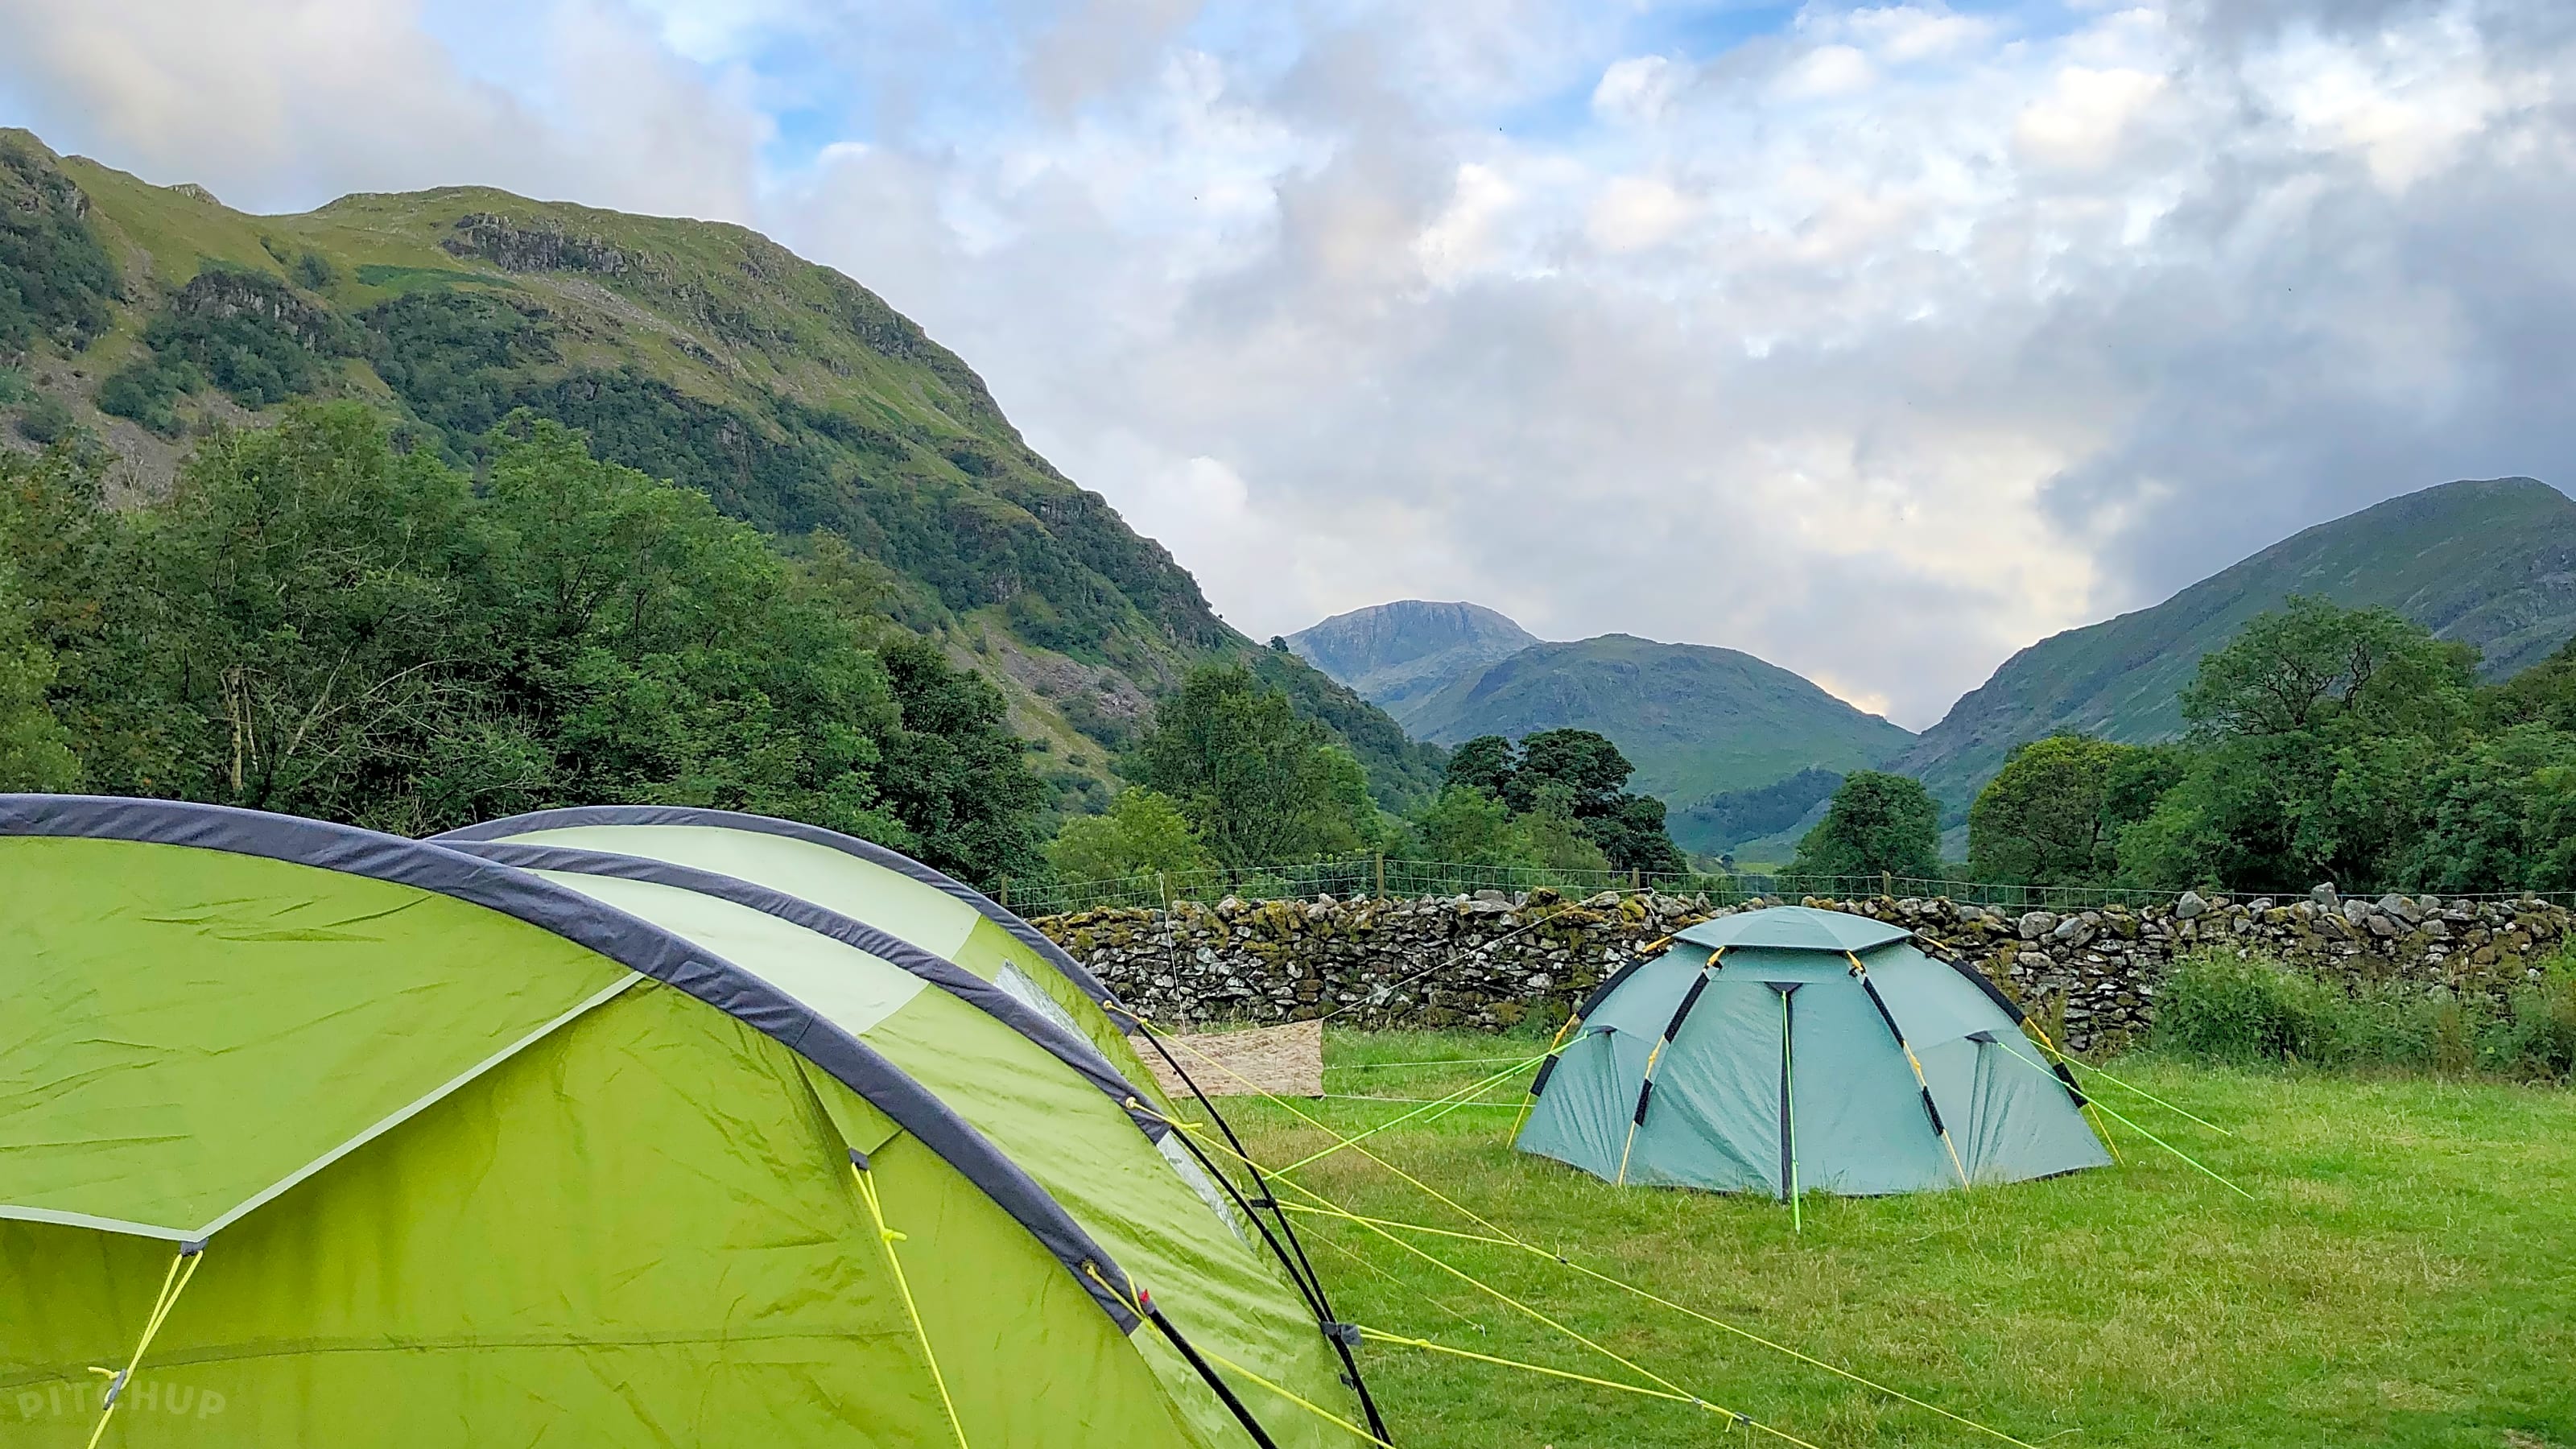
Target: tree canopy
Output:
{"points": [[2055, 812], [1577, 779], [1258, 783], [1877, 824], [320, 622], [2326, 745]]}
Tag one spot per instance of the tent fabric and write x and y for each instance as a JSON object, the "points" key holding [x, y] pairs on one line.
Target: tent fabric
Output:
{"points": [[856, 878], [1757, 1054], [534, 1160], [1793, 928], [1049, 1029], [1082, 1147], [615, 816]]}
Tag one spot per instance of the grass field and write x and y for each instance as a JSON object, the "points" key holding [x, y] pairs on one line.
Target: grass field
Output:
{"points": [[2405, 1274]]}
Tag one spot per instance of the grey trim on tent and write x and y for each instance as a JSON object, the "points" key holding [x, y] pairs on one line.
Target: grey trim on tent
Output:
{"points": [[612, 933], [573, 817], [956, 980]]}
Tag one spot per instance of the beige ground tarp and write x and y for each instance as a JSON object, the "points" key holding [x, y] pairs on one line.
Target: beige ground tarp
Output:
{"points": [[1285, 1061]]}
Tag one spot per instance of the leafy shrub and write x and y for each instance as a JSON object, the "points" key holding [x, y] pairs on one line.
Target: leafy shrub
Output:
{"points": [[13, 387], [2538, 1035], [1143, 831], [2249, 1010], [45, 420], [148, 391]]}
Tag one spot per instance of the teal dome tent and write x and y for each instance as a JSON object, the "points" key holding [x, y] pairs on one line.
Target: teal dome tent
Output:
{"points": [[1791, 1050]]}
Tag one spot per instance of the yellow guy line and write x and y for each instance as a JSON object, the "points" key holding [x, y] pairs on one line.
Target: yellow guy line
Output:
{"points": [[1683, 1309], [1504, 1237], [889, 1237], [1137, 1307], [2134, 1127], [1526, 1310], [1374, 1336], [1453, 1100], [173, 1283]]}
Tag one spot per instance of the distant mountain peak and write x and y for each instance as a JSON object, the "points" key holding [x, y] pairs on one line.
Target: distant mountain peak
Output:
{"points": [[1398, 652], [1696, 719]]}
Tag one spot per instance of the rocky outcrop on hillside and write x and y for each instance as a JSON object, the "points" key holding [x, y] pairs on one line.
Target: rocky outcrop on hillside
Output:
{"points": [[1490, 960]]}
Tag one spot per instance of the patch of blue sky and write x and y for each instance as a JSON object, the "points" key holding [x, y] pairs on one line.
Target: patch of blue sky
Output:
{"points": [[1706, 29], [503, 44]]}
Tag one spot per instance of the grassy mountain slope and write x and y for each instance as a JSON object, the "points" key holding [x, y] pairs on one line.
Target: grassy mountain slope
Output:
{"points": [[695, 351], [2490, 563], [1398, 655], [1696, 720]]}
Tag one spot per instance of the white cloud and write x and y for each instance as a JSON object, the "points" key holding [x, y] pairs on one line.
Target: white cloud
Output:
{"points": [[1827, 71], [1636, 90], [1880, 346], [2086, 117]]}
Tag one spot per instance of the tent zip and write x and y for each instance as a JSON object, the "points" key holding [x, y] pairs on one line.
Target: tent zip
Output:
{"points": [[1788, 1113]]}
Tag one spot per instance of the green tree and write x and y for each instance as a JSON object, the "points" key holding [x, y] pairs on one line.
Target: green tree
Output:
{"points": [[1877, 824], [1486, 762], [1252, 777], [35, 750], [316, 621], [1469, 826], [954, 773], [2316, 670], [2054, 814], [1576, 776], [2502, 816], [2316, 731], [2543, 694], [1142, 832]]}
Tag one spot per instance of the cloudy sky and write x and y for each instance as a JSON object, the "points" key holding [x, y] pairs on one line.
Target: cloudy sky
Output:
{"points": [[1876, 340]]}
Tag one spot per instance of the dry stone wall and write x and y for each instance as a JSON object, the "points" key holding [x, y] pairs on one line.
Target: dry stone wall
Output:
{"points": [[1490, 960]]}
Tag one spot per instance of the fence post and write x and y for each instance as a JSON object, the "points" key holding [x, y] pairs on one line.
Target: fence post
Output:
{"points": [[1887, 884], [1381, 876], [1163, 888], [1636, 877], [1005, 899]]}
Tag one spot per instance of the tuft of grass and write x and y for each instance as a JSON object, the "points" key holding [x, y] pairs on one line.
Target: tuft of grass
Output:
{"points": [[2402, 1277], [2247, 1010]]}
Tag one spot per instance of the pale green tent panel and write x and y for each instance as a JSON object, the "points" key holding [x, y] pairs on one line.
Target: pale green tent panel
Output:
{"points": [[1715, 1120], [854, 878], [1768, 1049], [204, 957], [523, 1167]]}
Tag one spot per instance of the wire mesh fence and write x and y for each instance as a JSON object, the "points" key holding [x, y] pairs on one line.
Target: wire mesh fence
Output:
{"points": [[1384, 877]]}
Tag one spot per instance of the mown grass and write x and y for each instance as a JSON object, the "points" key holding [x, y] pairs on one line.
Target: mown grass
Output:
{"points": [[2405, 1275]]}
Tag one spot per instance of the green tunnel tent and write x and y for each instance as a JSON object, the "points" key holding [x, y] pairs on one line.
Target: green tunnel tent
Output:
{"points": [[477, 1156], [1777, 1051]]}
